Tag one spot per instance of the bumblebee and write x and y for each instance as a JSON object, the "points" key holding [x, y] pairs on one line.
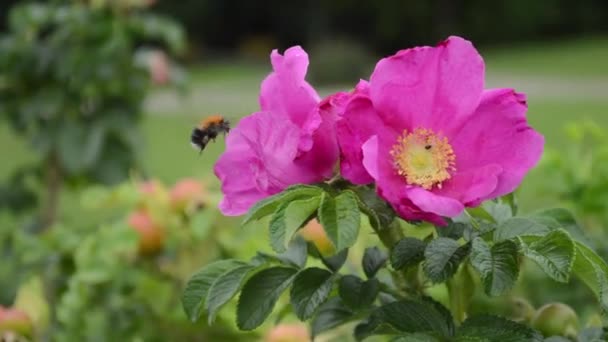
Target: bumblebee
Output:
{"points": [[207, 130]]}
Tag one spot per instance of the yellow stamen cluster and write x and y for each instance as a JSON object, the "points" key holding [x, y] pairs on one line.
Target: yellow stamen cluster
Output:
{"points": [[423, 158]]}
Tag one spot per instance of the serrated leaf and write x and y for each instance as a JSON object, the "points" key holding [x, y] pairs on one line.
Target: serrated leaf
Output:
{"points": [[197, 288], [487, 328], [409, 316], [340, 217], [260, 294], [373, 260], [442, 258], [561, 218], [224, 288], [310, 289], [330, 315], [554, 253], [407, 252], [519, 226], [416, 337], [380, 214], [454, 230], [357, 293], [270, 204], [498, 266], [288, 218], [593, 271]]}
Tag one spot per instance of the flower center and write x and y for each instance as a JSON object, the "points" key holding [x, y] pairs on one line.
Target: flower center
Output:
{"points": [[423, 158]]}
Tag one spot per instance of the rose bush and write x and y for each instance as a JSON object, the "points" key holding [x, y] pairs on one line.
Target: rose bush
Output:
{"points": [[431, 158]]}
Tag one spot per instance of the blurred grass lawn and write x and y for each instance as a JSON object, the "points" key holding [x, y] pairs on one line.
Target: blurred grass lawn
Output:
{"points": [[231, 89]]}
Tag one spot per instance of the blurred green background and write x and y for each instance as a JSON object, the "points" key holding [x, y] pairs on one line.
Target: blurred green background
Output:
{"points": [[555, 51]]}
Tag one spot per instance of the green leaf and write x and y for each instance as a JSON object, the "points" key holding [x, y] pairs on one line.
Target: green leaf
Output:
{"points": [[562, 218], [310, 289], [554, 253], [224, 288], [487, 328], [288, 218], [260, 294], [443, 256], [416, 337], [335, 261], [373, 260], [195, 294], [498, 266], [500, 211], [357, 293], [296, 253], [340, 217], [380, 214], [330, 315], [593, 271], [454, 230], [407, 252], [409, 316], [270, 204], [519, 226]]}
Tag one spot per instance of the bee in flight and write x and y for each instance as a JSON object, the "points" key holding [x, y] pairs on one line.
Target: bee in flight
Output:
{"points": [[208, 129]]}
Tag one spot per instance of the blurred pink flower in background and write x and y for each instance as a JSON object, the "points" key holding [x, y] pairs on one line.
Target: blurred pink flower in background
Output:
{"points": [[431, 137], [296, 332], [291, 140], [160, 70]]}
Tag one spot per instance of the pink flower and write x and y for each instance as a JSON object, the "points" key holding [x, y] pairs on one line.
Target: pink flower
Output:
{"points": [[290, 141], [431, 137]]}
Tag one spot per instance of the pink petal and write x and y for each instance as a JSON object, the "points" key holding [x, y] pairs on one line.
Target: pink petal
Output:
{"points": [[259, 162], [433, 203], [358, 123], [436, 88], [498, 134], [286, 93], [471, 186]]}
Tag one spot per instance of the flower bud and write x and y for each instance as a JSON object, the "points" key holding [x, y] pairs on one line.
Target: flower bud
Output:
{"points": [[15, 321], [556, 319], [187, 193], [151, 235]]}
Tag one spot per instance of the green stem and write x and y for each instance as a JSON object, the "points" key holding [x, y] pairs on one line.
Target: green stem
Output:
{"points": [[460, 290]]}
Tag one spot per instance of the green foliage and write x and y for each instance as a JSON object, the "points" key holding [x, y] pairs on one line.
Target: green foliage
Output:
{"points": [[310, 289], [224, 288], [72, 84], [357, 293], [442, 258], [260, 294], [489, 239], [407, 252], [554, 253], [373, 260], [288, 218], [481, 328], [195, 294], [497, 265], [408, 316], [340, 217]]}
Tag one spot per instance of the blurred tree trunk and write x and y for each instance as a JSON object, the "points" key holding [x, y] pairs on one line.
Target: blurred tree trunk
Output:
{"points": [[53, 183]]}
